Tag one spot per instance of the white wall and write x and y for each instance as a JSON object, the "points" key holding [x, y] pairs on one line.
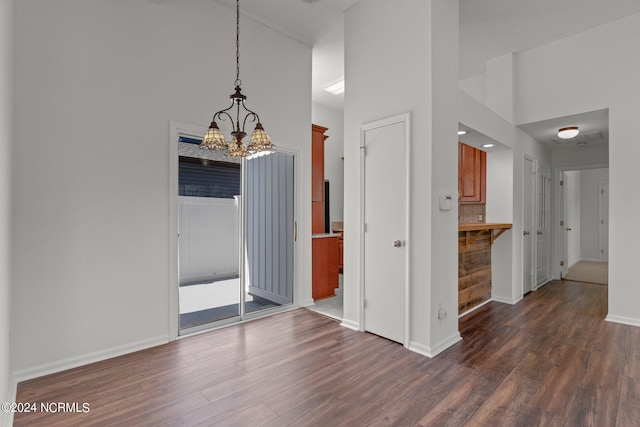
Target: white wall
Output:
{"points": [[580, 85], [333, 155], [572, 196], [475, 86], [6, 98], [504, 203], [376, 44], [590, 180], [96, 85]]}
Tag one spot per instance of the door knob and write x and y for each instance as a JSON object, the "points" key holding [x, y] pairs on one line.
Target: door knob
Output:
{"points": [[568, 229], [539, 233], [526, 233], [397, 243]]}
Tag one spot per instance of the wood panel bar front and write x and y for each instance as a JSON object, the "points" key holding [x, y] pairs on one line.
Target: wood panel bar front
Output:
{"points": [[474, 263]]}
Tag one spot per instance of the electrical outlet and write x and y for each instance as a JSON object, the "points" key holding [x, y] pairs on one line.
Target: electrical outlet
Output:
{"points": [[480, 216]]}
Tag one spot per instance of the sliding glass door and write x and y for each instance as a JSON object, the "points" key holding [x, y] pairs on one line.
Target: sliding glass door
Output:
{"points": [[236, 235]]}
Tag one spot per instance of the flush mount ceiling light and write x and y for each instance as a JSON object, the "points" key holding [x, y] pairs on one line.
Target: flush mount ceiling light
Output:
{"points": [[214, 139], [336, 88], [488, 145], [568, 132], [462, 132]]}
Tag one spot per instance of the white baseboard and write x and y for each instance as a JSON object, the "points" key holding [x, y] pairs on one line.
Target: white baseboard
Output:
{"points": [[504, 300], [432, 352], [590, 260], [474, 308], [350, 324], [624, 320], [542, 284], [74, 362], [6, 418], [307, 302]]}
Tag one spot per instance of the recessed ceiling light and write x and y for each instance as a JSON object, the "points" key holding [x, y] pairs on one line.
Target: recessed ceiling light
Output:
{"points": [[336, 88], [568, 132], [488, 145], [462, 132]]}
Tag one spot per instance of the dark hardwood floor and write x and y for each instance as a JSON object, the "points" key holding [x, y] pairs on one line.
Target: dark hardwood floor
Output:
{"points": [[550, 360]]}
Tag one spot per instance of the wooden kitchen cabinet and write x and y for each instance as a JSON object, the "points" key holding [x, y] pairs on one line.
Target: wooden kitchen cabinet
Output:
{"points": [[317, 178], [324, 266], [472, 174]]}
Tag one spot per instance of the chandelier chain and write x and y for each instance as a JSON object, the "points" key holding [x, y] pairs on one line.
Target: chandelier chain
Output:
{"points": [[238, 81]]}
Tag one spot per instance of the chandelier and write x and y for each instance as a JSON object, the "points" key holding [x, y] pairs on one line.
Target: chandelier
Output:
{"points": [[215, 140]]}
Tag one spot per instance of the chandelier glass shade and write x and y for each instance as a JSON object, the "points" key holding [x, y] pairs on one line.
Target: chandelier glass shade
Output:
{"points": [[238, 115]]}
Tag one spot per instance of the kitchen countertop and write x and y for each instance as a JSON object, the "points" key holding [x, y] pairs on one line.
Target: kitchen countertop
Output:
{"points": [[323, 235], [483, 226]]}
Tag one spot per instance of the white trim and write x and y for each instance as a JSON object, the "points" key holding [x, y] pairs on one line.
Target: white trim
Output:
{"points": [[405, 119], [588, 259], [432, 352], [623, 320], [97, 356], [6, 418], [556, 270], [540, 172], [307, 302], [533, 226], [350, 324], [504, 300], [544, 283], [175, 130], [460, 316]]}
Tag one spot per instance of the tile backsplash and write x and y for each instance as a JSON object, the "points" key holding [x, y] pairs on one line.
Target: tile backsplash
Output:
{"points": [[469, 213]]}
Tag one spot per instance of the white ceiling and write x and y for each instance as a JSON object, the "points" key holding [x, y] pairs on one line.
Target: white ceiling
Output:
{"points": [[488, 28], [593, 126]]}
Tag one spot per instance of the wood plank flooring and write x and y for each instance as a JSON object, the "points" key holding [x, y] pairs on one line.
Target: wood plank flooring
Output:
{"points": [[549, 360]]}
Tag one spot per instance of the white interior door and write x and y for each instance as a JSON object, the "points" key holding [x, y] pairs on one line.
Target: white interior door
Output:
{"points": [[563, 235], [543, 247], [528, 226], [385, 182], [604, 222]]}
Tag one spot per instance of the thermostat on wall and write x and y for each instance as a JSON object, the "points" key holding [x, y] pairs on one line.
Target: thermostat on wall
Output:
{"points": [[446, 202]]}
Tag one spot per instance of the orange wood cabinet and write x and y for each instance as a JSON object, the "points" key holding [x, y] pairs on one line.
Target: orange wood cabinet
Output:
{"points": [[324, 267], [317, 178], [472, 174]]}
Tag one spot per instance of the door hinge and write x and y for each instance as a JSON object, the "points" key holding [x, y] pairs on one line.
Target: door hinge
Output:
{"points": [[562, 184], [364, 150], [364, 227], [562, 262], [364, 303], [562, 222]]}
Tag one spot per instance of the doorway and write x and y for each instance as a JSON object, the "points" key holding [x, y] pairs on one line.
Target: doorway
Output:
{"points": [[385, 218], [235, 234], [528, 226], [583, 217], [543, 241]]}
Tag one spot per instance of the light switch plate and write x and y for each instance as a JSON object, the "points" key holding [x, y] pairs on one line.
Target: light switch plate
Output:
{"points": [[445, 202]]}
